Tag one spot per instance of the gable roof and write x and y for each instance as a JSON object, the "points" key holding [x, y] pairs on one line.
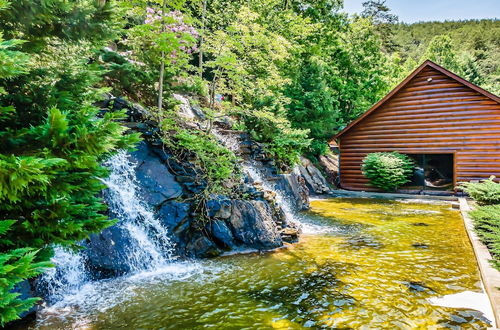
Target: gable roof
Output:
{"points": [[427, 63]]}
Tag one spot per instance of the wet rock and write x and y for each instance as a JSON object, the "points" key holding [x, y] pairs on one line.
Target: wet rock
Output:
{"points": [[202, 247], [253, 226], [290, 234], [420, 245], [175, 217], [222, 234], [156, 182], [106, 252], [416, 286], [361, 241], [219, 208], [293, 186]]}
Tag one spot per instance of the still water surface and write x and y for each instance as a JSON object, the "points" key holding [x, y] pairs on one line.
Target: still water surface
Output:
{"points": [[368, 264]]}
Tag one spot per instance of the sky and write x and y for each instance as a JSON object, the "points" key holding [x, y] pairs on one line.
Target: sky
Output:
{"points": [[410, 11]]}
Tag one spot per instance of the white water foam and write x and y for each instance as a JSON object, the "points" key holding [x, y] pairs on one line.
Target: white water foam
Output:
{"points": [[68, 275], [470, 300], [150, 251], [152, 247]]}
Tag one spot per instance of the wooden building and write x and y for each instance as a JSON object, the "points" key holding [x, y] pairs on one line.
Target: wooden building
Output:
{"points": [[450, 127]]}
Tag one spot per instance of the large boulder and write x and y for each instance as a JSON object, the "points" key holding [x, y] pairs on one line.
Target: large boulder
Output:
{"points": [[106, 252], [330, 164], [175, 217], [156, 182], [222, 234], [202, 247], [293, 186], [253, 226], [314, 179]]}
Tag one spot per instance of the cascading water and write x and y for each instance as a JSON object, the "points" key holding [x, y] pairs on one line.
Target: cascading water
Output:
{"points": [[283, 201], [149, 249], [253, 171], [150, 246], [66, 277]]}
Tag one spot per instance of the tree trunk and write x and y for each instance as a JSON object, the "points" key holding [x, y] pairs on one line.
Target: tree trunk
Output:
{"points": [[200, 57], [162, 66]]}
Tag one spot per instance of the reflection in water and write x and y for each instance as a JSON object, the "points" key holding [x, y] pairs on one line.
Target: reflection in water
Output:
{"points": [[365, 273]]}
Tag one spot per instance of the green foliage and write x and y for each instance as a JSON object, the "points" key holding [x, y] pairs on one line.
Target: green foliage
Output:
{"points": [[127, 77], [217, 164], [487, 224], [16, 265], [38, 22], [52, 141], [246, 60], [485, 192], [387, 171], [283, 142], [473, 44]]}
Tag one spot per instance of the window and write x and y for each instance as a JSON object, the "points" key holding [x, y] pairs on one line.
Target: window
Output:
{"points": [[432, 172]]}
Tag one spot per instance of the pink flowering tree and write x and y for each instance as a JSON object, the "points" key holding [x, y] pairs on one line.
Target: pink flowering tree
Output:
{"points": [[167, 41]]}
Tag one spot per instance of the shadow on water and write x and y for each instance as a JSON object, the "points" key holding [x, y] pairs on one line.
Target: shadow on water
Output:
{"points": [[314, 294]]}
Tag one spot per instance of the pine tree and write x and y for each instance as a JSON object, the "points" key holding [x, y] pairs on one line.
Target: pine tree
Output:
{"points": [[52, 143]]}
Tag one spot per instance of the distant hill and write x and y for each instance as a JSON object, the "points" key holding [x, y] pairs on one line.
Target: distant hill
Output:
{"points": [[478, 39]]}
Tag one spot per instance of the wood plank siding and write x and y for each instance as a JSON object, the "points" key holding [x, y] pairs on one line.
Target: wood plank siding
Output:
{"points": [[432, 111]]}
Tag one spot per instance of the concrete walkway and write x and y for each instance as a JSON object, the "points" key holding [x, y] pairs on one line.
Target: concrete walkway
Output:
{"points": [[350, 193], [489, 275]]}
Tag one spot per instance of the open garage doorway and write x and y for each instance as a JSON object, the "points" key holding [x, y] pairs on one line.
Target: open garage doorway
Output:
{"points": [[432, 172]]}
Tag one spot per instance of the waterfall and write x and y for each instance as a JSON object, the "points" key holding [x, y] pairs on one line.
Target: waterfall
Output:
{"points": [[253, 171], [150, 247], [292, 215], [66, 277]]}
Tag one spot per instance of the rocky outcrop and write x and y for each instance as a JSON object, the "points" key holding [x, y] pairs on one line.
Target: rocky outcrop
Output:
{"points": [[158, 184], [252, 224], [106, 252], [171, 187], [313, 177], [330, 165]]}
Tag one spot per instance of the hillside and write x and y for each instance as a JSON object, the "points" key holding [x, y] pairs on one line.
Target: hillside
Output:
{"points": [[473, 41]]}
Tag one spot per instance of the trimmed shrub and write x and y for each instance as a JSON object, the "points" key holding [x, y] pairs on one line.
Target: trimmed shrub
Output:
{"points": [[486, 192], [387, 170], [487, 225]]}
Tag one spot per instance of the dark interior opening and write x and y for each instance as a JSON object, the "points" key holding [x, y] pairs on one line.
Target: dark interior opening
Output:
{"points": [[432, 172]]}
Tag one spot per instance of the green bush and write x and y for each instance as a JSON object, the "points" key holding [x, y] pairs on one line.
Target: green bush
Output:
{"points": [[486, 192], [387, 171], [487, 224], [217, 164], [284, 143]]}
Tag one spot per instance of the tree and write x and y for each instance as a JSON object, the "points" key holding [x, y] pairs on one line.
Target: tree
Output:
{"points": [[52, 143], [440, 50], [384, 21]]}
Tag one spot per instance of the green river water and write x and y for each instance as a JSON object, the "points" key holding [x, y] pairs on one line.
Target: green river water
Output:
{"points": [[368, 264]]}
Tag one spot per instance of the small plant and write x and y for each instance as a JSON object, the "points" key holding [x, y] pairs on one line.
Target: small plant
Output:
{"points": [[284, 143], [487, 224], [387, 170], [486, 192]]}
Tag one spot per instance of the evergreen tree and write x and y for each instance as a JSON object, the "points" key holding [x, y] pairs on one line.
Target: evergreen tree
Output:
{"points": [[51, 146], [379, 13]]}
